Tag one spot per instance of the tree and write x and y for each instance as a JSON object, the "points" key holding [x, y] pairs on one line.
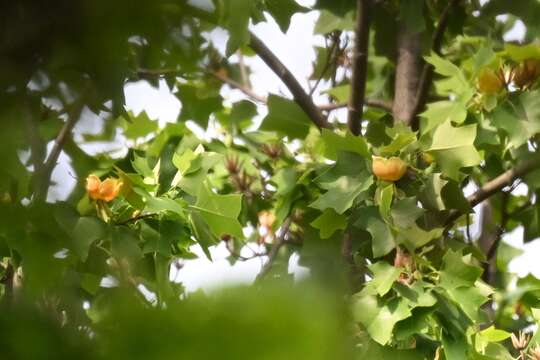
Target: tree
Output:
{"points": [[373, 203]]}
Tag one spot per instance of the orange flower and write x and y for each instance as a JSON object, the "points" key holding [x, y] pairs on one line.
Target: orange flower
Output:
{"points": [[391, 169], [105, 190]]}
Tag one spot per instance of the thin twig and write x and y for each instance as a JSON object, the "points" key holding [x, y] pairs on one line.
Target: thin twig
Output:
{"points": [[299, 94], [234, 84], [279, 242], [359, 66], [240, 257], [436, 44], [330, 59], [46, 170]]}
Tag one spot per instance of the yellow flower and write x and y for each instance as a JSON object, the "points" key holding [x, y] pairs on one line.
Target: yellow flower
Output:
{"points": [[105, 190], [489, 82], [391, 169]]}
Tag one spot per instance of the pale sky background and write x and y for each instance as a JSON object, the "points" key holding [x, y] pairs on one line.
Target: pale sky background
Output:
{"points": [[295, 49]]}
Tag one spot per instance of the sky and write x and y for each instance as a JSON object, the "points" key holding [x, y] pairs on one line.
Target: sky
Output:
{"points": [[295, 49]]}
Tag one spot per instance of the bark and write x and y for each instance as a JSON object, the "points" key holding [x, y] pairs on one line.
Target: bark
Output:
{"points": [[408, 69]]}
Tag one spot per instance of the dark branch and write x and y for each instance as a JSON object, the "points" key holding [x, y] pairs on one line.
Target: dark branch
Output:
{"points": [[279, 242], [300, 96], [46, 170], [495, 185], [436, 44], [359, 66]]}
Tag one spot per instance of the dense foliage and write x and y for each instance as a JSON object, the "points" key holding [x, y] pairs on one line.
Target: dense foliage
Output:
{"points": [[374, 205]]}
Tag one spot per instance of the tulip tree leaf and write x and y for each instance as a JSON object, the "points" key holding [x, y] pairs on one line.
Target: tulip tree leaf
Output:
{"points": [[333, 143], [382, 237], [384, 276], [220, 212], [344, 181], [282, 11], [237, 13], [86, 231], [456, 273], [329, 222], [442, 111], [139, 126], [379, 319], [453, 148], [286, 117]]}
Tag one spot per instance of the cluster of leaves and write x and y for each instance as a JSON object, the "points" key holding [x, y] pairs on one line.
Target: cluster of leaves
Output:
{"points": [[424, 287]]}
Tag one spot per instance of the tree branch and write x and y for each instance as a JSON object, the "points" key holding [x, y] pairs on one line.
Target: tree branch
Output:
{"points": [[497, 184], [46, 170], [427, 72], [300, 96], [359, 66], [280, 241]]}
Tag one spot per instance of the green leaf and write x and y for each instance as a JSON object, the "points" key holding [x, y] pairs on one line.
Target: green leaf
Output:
{"points": [[203, 234], [444, 67], [384, 276], [347, 179], [469, 299], [440, 112], [285, 181], [382, 237], [328, 22], [484, 337], [198, 102], [405, 212], [286, 117], [341, 93], [124, 243], [187, 162], [522, 52], [453, 148], [282, 11], [379, 319], [139, 126], [386, 195], [237, 13], [220, 212], [334, 143], [191, 182], [414, 237], [456, 273], [454, 348], [329, 222], [86, 231], [400, 141], [431, 196], [338, 7], [243, 112], [342, 193]]}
